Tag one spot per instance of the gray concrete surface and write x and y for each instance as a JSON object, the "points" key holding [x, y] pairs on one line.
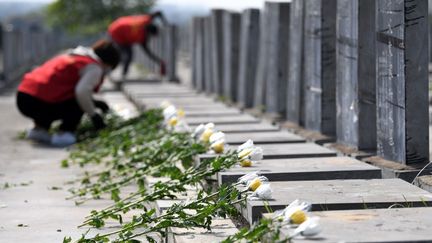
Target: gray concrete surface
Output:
{"points": [[341, 195], [327, 168], [284, 151], [44, 212], [379, 225], [263, 137]]}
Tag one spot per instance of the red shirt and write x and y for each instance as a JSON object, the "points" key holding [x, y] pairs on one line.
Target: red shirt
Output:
{"points": [[129, 29], [56, 79]]}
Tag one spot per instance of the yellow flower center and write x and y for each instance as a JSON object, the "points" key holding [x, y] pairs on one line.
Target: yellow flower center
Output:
{"points": [[255, 183], [298, 217], [244, 153], [218, 147], [245, 163], [180, 112], [173, 121], [206, 135]]}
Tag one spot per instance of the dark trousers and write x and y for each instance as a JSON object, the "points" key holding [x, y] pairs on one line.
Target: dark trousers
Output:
{"points": [[126, 56], [44, 113]]}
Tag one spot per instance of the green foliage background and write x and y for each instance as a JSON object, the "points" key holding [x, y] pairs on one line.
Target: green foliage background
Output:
{"points": [[92, 16]]}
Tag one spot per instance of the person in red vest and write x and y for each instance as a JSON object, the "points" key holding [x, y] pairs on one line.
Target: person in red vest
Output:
{"points": [[62, 88], [136, 29]]}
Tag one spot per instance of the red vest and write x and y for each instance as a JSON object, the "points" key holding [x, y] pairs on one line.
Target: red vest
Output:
{"points": [[129, 29], [56, 79]]}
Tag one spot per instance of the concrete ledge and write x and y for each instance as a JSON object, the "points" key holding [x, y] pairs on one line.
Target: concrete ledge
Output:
{"points": [[326, 168], [220, 229], [378, 225], [285, 151], [309, 135], [350, 151], [391, 169], [340, 195]]}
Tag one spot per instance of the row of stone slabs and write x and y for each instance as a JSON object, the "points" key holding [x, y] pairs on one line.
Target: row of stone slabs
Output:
{"points": [[305, 171]]}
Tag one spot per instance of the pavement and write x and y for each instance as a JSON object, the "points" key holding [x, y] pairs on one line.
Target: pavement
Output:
{"points": [[33, 207]]}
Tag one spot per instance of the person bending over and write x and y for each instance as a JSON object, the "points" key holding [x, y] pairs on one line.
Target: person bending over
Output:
{"points": [[135, 29], [62, 89]]}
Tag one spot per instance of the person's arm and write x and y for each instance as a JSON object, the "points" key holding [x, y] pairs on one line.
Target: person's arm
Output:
{"points": [[149, 53], [155, 58], [159, 15], [90, 78]]}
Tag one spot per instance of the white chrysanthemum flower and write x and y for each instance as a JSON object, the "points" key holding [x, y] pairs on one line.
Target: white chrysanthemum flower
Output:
{"points": [[169, 112], [256, 182], [247, 145], [198, 131], [310, 227], [263, 192], [245, 179], [217, 137], [293, 207], [256, 154], [210, 125]]}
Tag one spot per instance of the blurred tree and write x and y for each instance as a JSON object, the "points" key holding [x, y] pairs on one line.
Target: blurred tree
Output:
{"points": [[92, 16]]}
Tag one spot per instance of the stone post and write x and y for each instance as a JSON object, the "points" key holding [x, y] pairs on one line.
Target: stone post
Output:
{"points": [[217, 50], [402, 84], [277, 58], [295, 90], [320, 66], [356, 74], [250, 29], [231, 45]]}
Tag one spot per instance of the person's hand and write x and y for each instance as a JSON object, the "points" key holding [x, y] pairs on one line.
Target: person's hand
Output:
{"points": [[98, 122], [101, 105], [162, 68]]}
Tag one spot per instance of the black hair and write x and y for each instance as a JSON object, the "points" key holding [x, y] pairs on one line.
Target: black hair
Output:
{"points": [[107, 52], [152, 29]]}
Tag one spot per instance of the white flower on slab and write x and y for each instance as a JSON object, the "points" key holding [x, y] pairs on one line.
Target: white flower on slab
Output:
{"points": [[263, 192], [256, 154], [245, 179], [199, 130], [210, 125], [249, 144], [249, 154], [310, 227], [256, 182], [217, 142], [169, 112], [181, 113], [217, 137], [293, 207]]}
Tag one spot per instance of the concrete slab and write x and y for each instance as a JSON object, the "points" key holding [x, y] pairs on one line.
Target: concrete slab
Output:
{"points": [[263, 137], [327, 168], [168, 95], [283, 151], [379, 225], [341, 195], [149, 88], [209, 106], [236, 119], [220, 230], [197, 112], [241, 128], [178, 101]]}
